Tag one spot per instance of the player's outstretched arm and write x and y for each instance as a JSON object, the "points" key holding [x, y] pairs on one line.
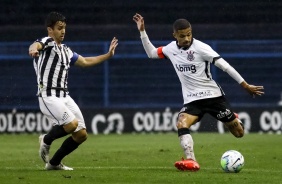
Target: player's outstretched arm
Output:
{"points": [[252, 89], [150, 49], [90, 61]]}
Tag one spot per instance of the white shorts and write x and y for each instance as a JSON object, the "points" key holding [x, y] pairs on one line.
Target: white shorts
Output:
{"points": [[61, 111]]}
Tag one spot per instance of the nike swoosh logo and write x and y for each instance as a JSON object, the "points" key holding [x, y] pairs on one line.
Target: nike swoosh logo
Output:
{"points": [[236, 161]]}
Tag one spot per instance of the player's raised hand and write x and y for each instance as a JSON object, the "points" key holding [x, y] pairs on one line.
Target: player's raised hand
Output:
{"points": [[139, 21], [113, 45], [253, 90]]}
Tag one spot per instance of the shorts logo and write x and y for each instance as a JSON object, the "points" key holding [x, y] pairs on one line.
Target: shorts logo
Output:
{"points": [[223, 114], [190, 56], [65, 116]]}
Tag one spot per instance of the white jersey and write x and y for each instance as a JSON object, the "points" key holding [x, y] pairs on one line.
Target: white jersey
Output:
{"points": [[192, 66]]}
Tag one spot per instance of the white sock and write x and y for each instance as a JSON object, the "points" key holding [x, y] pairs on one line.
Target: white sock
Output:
{"points": [[187, 144]]}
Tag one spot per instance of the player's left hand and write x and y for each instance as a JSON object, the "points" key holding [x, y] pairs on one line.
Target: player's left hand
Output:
{"points": [[113, 45], [254, 90]]}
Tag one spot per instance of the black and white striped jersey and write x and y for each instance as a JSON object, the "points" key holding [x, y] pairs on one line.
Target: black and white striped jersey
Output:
{"points": [[52, 67]]}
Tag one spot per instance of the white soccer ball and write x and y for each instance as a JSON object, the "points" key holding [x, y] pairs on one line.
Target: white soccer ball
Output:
{"points": [[232, 161]]}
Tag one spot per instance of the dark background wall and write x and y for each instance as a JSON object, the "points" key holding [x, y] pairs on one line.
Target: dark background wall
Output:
{"points": [[158, 12], [98, 20], [246, 33]]}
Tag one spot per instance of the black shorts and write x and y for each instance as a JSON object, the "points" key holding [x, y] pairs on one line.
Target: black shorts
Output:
{"points": [[217, 107]]}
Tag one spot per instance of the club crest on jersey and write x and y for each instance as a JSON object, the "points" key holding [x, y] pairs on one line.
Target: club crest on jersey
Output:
{"points": [[190, 56]]}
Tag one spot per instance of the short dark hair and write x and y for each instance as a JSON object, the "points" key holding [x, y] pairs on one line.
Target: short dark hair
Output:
{"points": [[181, 24], [54, 17]]}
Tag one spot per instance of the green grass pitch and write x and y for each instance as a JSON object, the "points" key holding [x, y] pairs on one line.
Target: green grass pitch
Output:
{"points": [[142, 158]]}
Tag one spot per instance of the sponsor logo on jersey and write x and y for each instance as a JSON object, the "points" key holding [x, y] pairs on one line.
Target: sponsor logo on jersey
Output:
{"points": [[186, 68], [190, 56], [200, 94]]}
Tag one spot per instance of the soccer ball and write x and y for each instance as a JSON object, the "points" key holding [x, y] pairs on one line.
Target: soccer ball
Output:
{"points": [[232, 161]]}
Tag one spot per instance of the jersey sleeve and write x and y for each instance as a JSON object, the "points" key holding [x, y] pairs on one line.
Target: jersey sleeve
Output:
{"points": [[208, 53], [73, 58], [45, 42], [164, 52]]}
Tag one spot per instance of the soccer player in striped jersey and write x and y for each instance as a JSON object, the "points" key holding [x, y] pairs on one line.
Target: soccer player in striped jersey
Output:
{"points": [[191, 60], [52, 61]]}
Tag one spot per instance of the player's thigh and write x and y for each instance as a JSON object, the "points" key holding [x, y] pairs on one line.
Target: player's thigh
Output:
{"points": [[55, 110], [186, 120], [190, 114], [73, 107]]}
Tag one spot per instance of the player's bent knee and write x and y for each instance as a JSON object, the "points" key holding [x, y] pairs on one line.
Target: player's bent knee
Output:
{"points": [[181, 123], [80, 136], [240, 133], [236, 128], [83, 137]]}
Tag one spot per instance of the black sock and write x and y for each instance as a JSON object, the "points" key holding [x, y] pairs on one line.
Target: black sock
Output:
{"points": [[55, 133], [67, 147], [183, 131]]}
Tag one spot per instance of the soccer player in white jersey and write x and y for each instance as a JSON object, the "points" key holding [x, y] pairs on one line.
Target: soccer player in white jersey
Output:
{"points": [[191, 60], [52, 60]]}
